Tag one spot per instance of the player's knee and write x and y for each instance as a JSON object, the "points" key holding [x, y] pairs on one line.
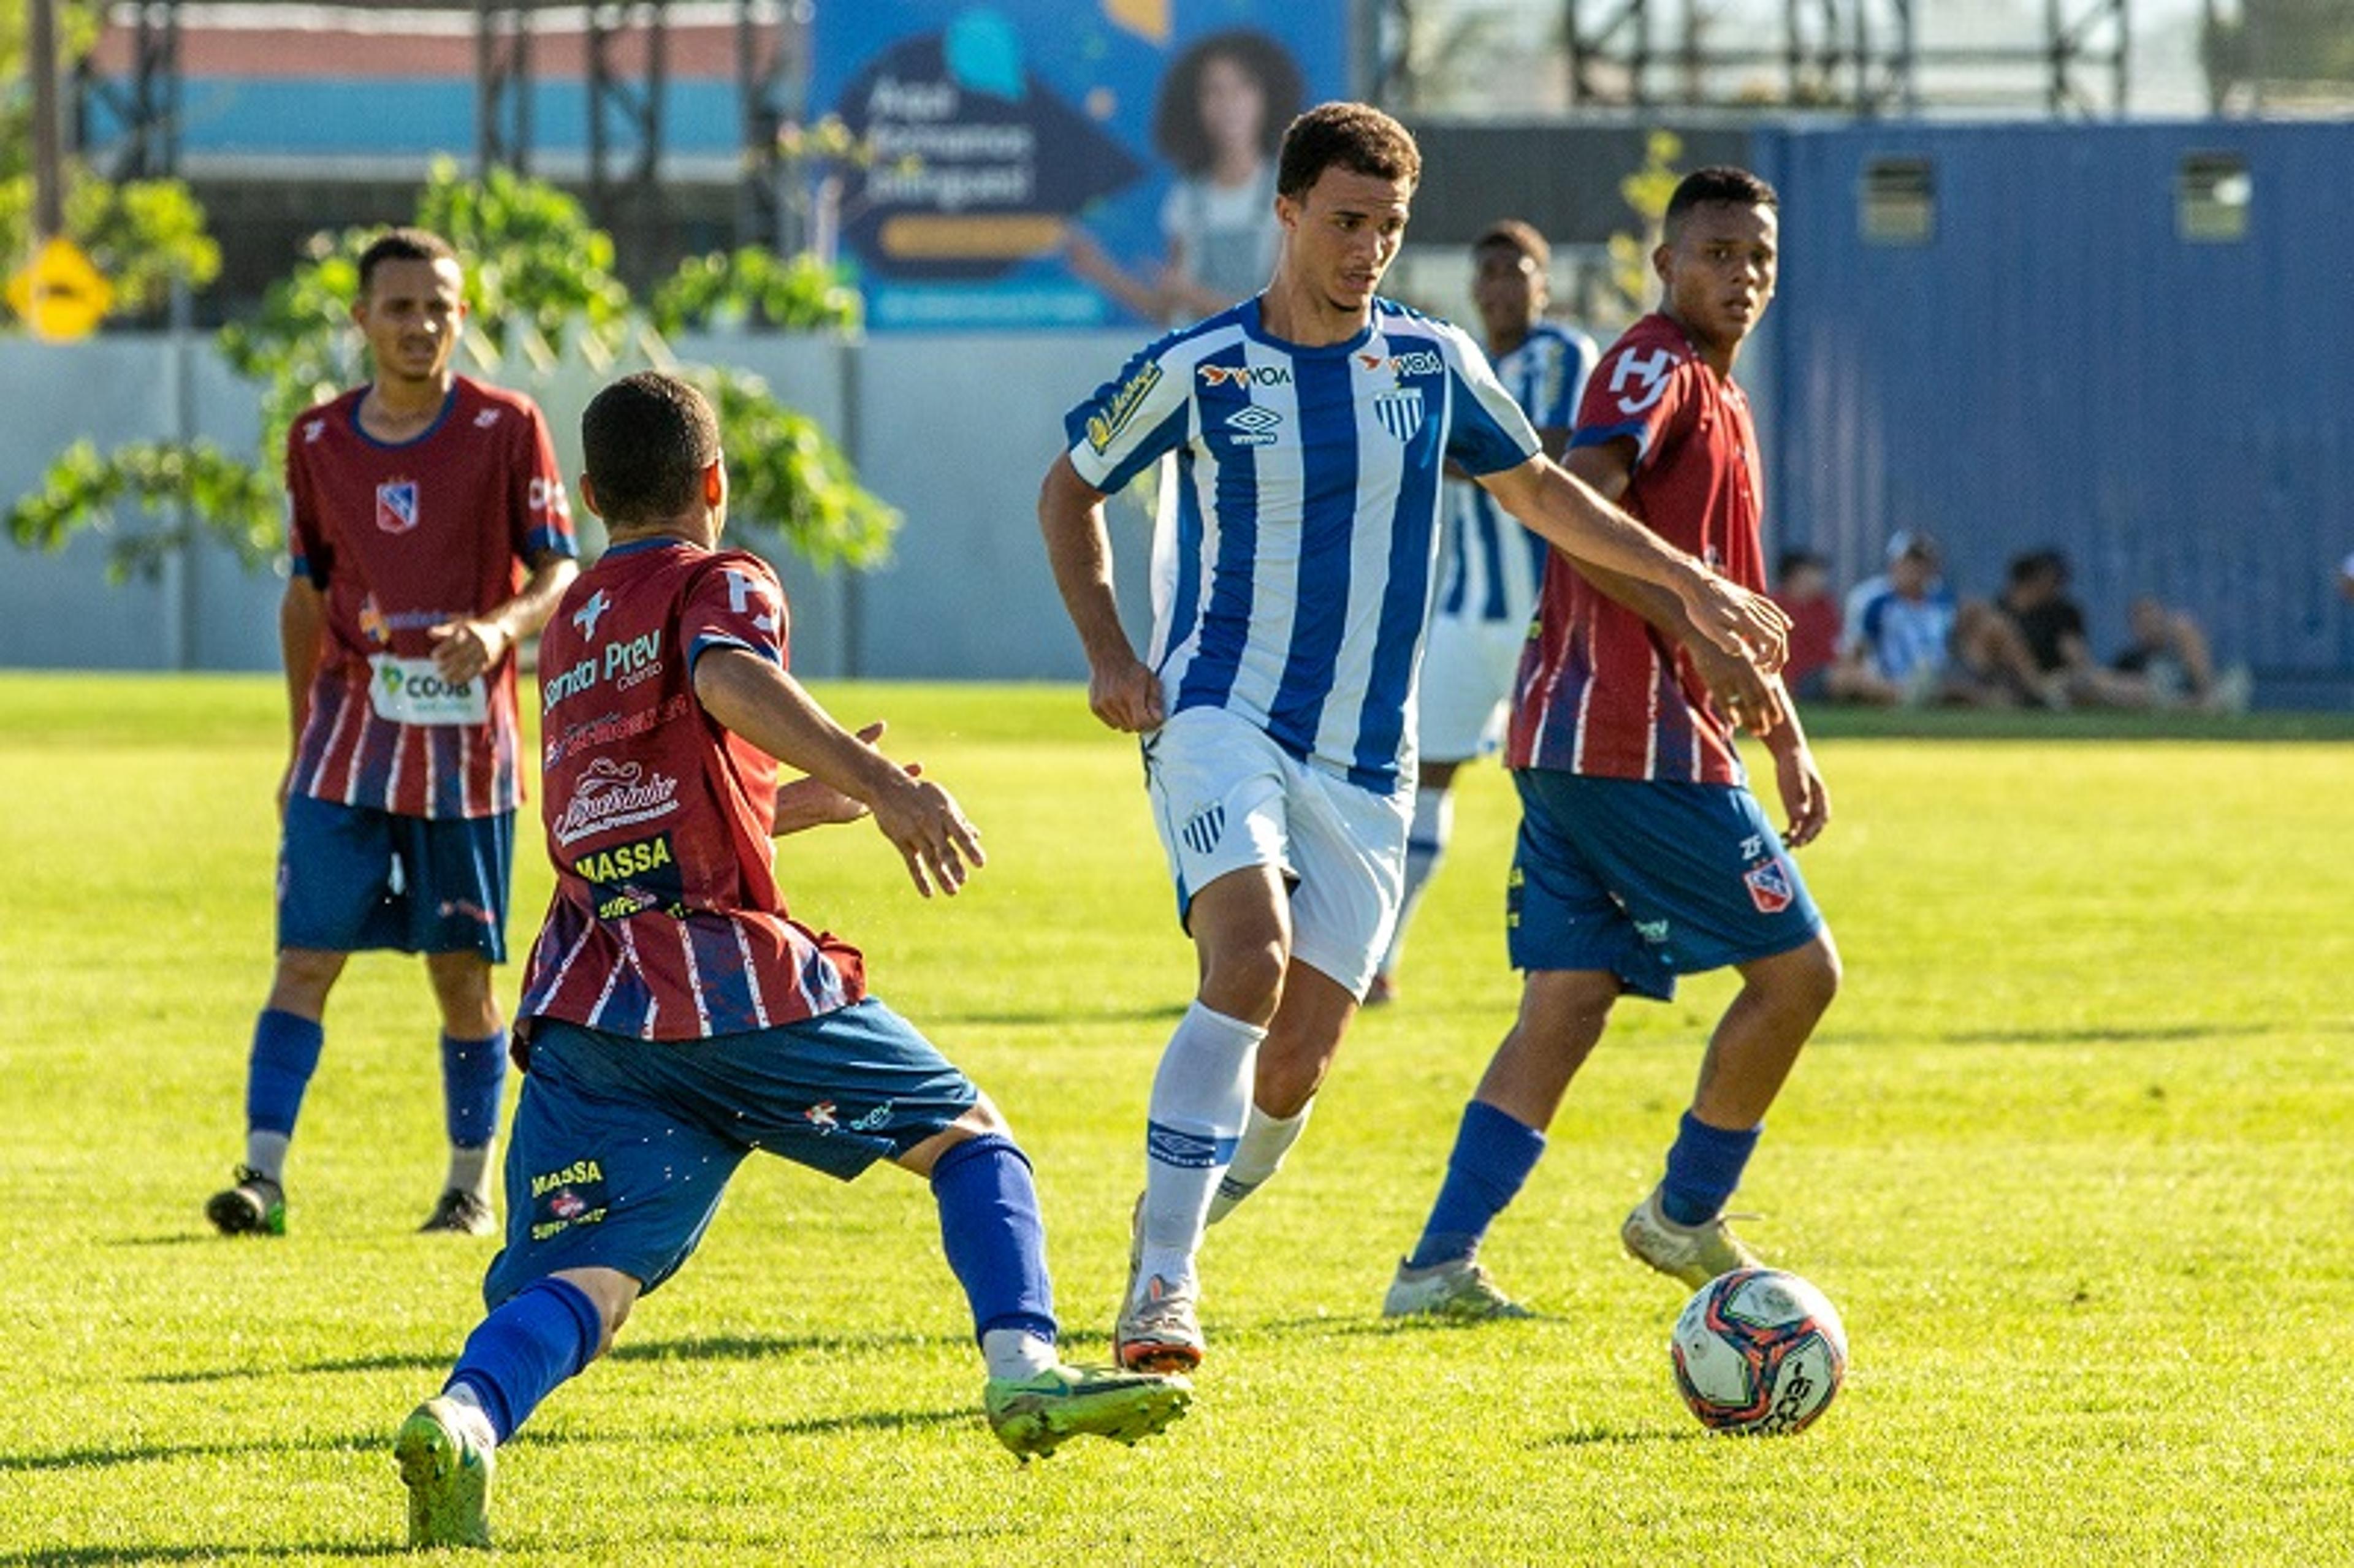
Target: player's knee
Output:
{"points": [[1809, 978], [1245, 979], [304, 975]]}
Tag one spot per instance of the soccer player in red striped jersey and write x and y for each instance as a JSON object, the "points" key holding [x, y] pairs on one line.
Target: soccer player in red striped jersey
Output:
{"points": [[677, 1017], [429, 529], [1642, 853]]}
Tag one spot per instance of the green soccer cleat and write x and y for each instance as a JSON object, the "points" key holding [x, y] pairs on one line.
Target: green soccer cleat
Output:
{"points": [[1039, 1414], [1693, 1254], [254, 1206], [1458, 1288], [447, 1469]]}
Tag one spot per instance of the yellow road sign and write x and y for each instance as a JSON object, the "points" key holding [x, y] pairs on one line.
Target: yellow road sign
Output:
{"points": [[59, 294]]}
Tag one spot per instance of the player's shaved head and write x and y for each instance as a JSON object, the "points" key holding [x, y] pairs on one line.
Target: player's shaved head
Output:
{"points": [[1356, 136], [645, 441], [403, 245], [1719, 184]]}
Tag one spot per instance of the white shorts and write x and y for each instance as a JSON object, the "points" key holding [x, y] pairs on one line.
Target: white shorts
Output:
{"points": [[1225, 797], [1468, 667]]}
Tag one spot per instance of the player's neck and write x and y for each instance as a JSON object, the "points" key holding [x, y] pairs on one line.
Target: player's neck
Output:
{"points": [[1296, 314], [1717, 355], [394, 408], [1507, 341], [696, 529]]}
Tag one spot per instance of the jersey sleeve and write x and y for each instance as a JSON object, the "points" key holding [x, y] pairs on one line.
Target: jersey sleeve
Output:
{"points": [[1488, 433], [1132, 422], [735, 602], [1636, 392], [306, 541], [542, 514]]}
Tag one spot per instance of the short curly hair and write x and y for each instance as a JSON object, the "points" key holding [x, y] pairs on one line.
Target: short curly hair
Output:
{"points": [[1357, 136]]}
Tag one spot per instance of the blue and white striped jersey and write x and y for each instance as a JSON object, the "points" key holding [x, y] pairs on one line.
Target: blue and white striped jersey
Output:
{"points": [[1298, 529], [1493, 564]]}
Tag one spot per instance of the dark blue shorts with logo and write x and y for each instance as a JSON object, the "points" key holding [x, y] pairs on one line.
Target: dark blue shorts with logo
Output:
{"points": [[352, 879], [1649, 880], [622, 1147]]}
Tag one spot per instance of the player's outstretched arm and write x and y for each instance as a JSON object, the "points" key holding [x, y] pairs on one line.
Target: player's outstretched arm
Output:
{"points": [[1122, 689], [805, 803], [768, 708], [465, 649], [1578, 522]]}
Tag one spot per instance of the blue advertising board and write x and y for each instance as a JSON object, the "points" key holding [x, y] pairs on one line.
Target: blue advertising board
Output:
{"points": [[1022, 163]]}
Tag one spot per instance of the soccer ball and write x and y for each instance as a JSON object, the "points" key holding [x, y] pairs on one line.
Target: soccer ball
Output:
{"points": [[1758, 1352]]}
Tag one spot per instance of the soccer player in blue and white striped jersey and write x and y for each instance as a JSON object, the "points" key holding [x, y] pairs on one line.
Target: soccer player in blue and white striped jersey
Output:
{"points": [[1299, 440]]}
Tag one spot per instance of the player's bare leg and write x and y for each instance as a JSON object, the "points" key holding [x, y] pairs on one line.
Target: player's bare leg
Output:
{"points": [[1678, 1229], [473, 1071], [1201, 1100]]}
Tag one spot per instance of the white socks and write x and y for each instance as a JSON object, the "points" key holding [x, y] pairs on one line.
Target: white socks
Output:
{"points": [[1265, 1141], [1201, 1098], [470, 1169], [1017, 1354], [266, 1153]]}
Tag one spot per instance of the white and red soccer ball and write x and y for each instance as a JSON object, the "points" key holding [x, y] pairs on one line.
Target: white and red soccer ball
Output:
{"points": [[1758, 1352]]}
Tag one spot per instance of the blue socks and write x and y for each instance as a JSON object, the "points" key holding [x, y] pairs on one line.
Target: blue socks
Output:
{"points": [[995, 1242], [285, 1053], [1703, 1168], [536, 1339], [1493, 1155], [472, 1074]]}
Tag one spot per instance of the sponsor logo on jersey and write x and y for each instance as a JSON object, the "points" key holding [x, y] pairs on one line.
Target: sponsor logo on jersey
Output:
{"points": [[412, 691], [547, 495], [821, 1116], [1252, 426], [1400, 411], [634, 877], [486, 418], [1769, 887], [1107, 421], [625, 664], [1244, 375], [372, 622], [745, 590], [1639, 380], [580, 1171], [556, 1195], [606, 729], [312, 429], [617, 863], [611, 794], [586, 617], [395, 506], [1413, 362]]}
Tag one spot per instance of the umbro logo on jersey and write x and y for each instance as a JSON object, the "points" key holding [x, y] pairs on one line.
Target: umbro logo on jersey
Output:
{"points": [[313, 431], [486, 418], [1400, 411], [1254, 426], [1202, 833], [395, 506], [586, 617]]}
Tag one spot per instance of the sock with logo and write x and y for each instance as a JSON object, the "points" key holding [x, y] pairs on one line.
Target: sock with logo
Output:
{"points": [[995, 1240], [1493, 1156], [1425, 846], [1704, 1165], [1258, 1157], [473, 1071], [534, 1339], [1201, 1097], [285, 1053]]}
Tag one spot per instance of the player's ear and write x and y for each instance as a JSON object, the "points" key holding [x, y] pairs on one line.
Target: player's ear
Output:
{"points": [[1659, 258], [588, 495], [715, 484]]}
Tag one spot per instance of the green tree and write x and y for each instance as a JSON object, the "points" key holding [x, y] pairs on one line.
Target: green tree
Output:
{"points": [[1646, 192], [538, 276]]}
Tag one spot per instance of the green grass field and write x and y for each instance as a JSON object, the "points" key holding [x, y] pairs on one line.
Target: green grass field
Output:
{"points": [[2070, 1152]]}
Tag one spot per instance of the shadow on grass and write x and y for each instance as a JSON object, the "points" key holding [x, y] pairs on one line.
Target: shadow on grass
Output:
{"points": [[711, 1347], [1597, 1435], [95, 1457]]}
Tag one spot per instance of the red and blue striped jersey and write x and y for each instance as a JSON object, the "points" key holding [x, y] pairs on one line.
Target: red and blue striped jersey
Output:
{"points": [[667, 922], [1600, 691], [400, 539]]}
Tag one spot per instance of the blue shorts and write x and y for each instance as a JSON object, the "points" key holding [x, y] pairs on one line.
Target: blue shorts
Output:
{"points": [[1649, 880], [622, 1147], [352, 879]]}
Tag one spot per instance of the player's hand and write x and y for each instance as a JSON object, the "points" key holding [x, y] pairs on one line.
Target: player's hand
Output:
{"points": [[1739, 621], [1126, 696], [465, 649], [1805, 799], [932, 834], [1744, 694]]}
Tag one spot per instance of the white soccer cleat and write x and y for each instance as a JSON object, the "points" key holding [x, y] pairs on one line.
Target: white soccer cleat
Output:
{"points": [[1693, 1254], [1459, 1289]]}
